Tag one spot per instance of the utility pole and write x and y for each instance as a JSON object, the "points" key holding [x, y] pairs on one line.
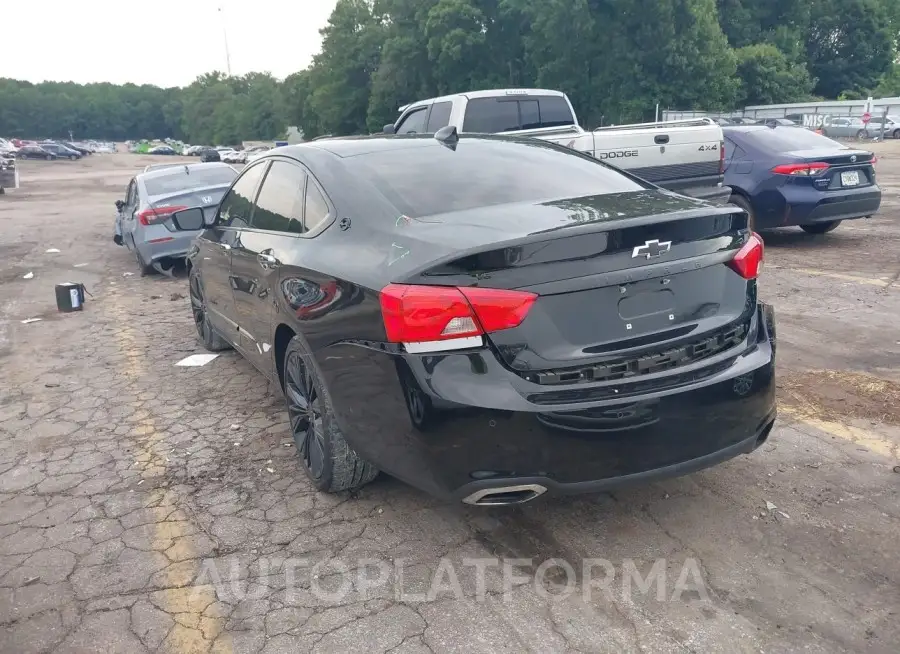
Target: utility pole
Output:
{"points": [[225, 38]]}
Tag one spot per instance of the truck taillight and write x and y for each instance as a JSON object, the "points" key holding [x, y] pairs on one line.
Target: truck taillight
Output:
{"points": [[722, 157], [156, 215]]}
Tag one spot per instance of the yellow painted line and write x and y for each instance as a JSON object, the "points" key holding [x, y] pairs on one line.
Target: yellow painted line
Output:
{"points": [[186, 604], [873, 442], [870, 281]]}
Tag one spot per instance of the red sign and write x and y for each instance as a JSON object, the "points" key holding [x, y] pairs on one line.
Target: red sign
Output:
{"points": [[866, 117]]}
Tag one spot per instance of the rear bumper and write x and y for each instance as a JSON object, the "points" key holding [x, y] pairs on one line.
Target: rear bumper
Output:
{"points": [[456, 424], [795, 205], [152, 248]]}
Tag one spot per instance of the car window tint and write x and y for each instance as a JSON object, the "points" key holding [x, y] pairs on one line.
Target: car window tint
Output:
{"points": [[555, 111], [278, 204], [733, 150], [531, 115], [440, 116], [433, 179], [786, 139], [235, 208], [491, 116], [316, 207], [413, 123]]}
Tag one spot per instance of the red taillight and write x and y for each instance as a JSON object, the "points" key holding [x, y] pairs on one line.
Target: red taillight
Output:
{"points": [[749, 259], [414, 314], [805, 169], [874, 160], [157, 214], [722, 157]]}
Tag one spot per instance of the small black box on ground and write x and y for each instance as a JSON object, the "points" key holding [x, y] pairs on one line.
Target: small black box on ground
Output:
{"points": [[70, 297]]}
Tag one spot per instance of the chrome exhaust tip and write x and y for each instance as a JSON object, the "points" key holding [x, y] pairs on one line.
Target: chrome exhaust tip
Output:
{"points": [[505, 495]]}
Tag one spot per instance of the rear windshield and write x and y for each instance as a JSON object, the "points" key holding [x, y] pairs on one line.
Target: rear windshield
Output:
{"points": [[164, 182], [423, 181], [786, 139], [507, 114]]}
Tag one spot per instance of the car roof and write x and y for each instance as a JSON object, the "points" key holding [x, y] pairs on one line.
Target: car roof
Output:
{"points": [[488, 93], [169, 170], [351, 146]]}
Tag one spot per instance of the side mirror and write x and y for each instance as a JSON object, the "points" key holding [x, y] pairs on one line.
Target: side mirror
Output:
{"points": [[188, 220], [120, 204], [389, 128]]}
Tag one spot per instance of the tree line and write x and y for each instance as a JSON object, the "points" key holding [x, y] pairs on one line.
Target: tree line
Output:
{"points": [[615, 58]]}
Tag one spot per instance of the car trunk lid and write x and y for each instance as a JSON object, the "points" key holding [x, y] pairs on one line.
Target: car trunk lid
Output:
{"points": [[613, 274]]}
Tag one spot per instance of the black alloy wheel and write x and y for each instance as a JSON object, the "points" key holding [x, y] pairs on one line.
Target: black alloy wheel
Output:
{"points": [[211, 340], [306, 415]]}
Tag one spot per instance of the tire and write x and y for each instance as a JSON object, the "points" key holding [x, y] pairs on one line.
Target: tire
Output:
{"points": [[22, 156], [897, 133], [48, 157], [862, 134], [208, 335], [821, 228], [144, 268], [73, 157], [325, 456], [743, 203]]}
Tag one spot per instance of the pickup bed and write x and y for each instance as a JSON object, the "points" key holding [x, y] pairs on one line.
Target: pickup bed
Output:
{"points": [[684, 156]]}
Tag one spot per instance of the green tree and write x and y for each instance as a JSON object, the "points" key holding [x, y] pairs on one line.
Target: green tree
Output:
{"points": [[768, 76]]}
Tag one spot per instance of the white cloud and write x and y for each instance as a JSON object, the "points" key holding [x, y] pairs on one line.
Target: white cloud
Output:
{"points": [[163, 42]]}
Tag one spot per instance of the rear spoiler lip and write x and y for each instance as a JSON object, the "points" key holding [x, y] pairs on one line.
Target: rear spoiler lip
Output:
{"points": [[574, 230]]}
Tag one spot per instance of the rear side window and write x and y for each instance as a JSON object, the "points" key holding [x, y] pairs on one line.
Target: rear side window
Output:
{"points": [[440, 116], [786, 139], [433, 179], [234, 211], [497, 115], [316, 207], [279, 202]]}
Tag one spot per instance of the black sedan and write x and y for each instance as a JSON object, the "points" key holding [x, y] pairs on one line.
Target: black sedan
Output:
{"points": [[61, 151], [35, 152], [487, 318]]}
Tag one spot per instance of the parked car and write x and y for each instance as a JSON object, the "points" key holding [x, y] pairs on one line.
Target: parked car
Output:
{"points": [[891, 126], [487, 318], [162, 149], [142, 223], [845, 127], [194, 150], [61, 151], [35, 152], [783, 176], [210, 154], [81, 149], [689, 161], [231, 156]]}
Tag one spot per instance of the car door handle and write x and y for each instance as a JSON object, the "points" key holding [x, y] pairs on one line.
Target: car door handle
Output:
{"points": [[267, 260]]}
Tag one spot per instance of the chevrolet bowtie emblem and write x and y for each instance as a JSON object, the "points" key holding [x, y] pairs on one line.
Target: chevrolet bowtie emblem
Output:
{"points": [[651, 249]]}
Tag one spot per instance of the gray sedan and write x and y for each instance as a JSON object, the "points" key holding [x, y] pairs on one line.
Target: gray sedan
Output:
{"points": [[845, 127], [143, 218]]}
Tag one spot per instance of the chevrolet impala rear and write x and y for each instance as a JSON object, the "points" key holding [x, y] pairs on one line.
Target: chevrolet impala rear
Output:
{"points": [[535, 321]]}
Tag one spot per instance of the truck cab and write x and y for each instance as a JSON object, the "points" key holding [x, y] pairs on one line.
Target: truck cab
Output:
{"points": [[683, 156]]}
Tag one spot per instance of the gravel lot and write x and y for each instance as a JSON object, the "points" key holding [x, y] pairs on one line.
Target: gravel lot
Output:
{"points": [[150, 508]]}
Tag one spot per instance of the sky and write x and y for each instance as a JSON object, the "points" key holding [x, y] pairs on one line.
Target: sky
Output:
{"points": [[162, 42]]}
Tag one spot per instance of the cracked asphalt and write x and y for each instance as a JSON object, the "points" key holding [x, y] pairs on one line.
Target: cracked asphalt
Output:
{"points": [[151, 508]]}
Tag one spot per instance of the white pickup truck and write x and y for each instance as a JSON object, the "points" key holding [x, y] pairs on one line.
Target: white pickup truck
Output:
{"points": [[684, 156]]}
